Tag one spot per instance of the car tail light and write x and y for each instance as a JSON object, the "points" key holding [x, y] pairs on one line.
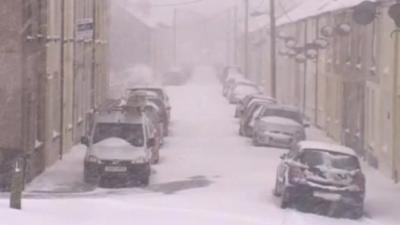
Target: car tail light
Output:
{"points": [[296, 175], [359, 181]]}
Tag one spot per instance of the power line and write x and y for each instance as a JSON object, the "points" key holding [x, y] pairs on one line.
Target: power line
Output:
{"points": [[177, 3]]}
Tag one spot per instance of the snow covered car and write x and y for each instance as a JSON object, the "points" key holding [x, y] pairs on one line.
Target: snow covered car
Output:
{"points": [[250, 115], [240, 90], [317, 171], [277, 110], [278, 132], [159, 91], [229, 70], [154, 101], [230, 81], [248, 100], [120, 148]]}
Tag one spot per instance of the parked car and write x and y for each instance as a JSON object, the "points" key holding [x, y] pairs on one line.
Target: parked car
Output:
{"points": [[229, 70], [268, 110], [230, 81], [249, 115], [159, 91], [249, 99], [240, 90], [152, 100], [120, 147], [317, 171], [278, 132]]}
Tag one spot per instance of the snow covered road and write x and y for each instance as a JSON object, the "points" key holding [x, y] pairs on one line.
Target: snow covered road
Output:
{"points": [[207, 175]]}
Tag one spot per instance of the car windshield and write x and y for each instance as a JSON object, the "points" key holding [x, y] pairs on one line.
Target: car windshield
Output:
{"points": [[294, 115], [132, 133], [318, 158]]}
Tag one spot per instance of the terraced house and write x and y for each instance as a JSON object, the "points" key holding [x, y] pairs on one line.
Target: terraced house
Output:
{"points": [[340, 65], [53, 74]]}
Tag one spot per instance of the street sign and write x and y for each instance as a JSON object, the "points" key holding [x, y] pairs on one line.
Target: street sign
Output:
{"points": [[85, 28]]}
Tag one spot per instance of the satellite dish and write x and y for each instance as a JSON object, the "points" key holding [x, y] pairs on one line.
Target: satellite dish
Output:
{"points": [[394, 13], [364, 13]]}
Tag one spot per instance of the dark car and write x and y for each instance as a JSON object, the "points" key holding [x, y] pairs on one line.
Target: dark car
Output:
{"points": [[317, 171]]}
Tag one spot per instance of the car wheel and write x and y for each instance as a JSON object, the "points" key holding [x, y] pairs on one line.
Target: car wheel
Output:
{"points": [[145, 180], [256, 142], [357, 213], [285, 199]]}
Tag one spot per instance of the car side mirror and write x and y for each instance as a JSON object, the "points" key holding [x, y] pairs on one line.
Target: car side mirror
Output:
{"points": [[306, 124], [85, 141], [283, 156], [151, 142]]}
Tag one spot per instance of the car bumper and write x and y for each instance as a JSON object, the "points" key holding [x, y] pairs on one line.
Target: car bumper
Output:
{"points": [[302, 193], [95, 172], [279, 142]]}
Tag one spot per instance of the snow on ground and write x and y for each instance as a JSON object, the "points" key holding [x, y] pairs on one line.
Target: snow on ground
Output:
{"points": [[207, 175]]}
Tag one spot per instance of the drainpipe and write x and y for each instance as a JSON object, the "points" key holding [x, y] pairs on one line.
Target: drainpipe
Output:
{"points": [[316, 104], [396, 120], [62, 81]]}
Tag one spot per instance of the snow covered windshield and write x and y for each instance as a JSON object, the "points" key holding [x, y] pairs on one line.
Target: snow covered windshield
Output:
{"points": [[132, 133], [317, 158]]}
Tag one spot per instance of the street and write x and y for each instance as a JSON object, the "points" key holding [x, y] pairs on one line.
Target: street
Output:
{"points": [[208, 174]]}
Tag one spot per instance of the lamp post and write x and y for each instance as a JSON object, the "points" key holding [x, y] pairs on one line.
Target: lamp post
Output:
{"points": [[272, 34], [246, 38], [273, 48]]}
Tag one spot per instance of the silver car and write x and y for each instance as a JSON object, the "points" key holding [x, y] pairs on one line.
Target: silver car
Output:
{"points": [[278, 132]]}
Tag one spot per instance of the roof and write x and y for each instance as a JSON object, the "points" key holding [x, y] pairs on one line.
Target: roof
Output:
{"points": [[325, 146], [311, 8]]}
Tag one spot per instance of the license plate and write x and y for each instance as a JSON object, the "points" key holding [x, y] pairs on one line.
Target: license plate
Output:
{"points": [[115, 169], [327, 196]]}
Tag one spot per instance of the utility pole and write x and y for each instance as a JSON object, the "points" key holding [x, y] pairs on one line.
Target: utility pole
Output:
{"points": [[273, 48], [175, 44], [246, 38], [235, 28]]}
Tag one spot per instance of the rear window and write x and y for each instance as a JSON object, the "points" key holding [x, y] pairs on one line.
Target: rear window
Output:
{"points": [[317, 158]]}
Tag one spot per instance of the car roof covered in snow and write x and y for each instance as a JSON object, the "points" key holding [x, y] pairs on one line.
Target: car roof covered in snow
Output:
{"points": [[325, 146], [116, 116]]}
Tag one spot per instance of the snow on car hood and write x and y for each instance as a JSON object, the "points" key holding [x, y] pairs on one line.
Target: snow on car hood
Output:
{"points": [[116, 148]]}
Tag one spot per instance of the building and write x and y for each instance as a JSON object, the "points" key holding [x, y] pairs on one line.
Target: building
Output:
{"points": [[54, 72], [349, 87]]}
